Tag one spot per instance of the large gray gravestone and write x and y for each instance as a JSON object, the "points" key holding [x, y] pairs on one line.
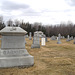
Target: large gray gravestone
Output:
{"points": [[36, 41], [13, 52], [71, 37], [40, 33], [30, 36], [53, 38]]}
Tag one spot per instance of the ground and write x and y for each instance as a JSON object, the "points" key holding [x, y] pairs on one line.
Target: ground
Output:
{"points": [[52, 59]]}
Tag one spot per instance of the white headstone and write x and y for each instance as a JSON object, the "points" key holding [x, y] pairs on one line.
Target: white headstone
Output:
{"points": [[43, 41]]}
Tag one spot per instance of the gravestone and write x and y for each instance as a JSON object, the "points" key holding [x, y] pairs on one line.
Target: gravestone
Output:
{"points": [[71, 37], [58, 41], [59, 35], [30, 36], [63, 37], [36, 41], [74, 41], [53, 38], [68, 38], [40, 33], [26, 36], [13, 52], [43, 40], [46, 39]]}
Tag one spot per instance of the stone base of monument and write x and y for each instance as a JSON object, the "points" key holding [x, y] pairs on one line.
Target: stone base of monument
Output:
{"points": [[59, 42], [15, 58], [35, 46]]}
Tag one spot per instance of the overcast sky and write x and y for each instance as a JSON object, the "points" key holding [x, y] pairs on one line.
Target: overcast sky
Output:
{"points": [[44, 11]]}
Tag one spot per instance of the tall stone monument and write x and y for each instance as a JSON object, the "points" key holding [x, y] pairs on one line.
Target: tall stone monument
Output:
{"points": [[13, 52], [30, 36], [36, 41], [46, 39], [68, 38], [40, 33], [58, 40]]}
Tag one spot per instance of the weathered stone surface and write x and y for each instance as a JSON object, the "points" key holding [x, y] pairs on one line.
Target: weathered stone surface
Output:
{"points": [[46, 39], [36, 41], [16, 61], [12, 31], [58, 40], [40, 33], [53, 38], [13, 52], [30, 36], [68, 38], [13, 41]]}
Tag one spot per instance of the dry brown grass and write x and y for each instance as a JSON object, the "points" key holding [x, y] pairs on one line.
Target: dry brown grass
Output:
{"points": [[52, 59]]}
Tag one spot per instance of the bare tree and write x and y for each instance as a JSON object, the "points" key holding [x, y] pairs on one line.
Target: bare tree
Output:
{"points": [[1, 19], [17, 23], [2, 25], [10, 22], [36, 25]]}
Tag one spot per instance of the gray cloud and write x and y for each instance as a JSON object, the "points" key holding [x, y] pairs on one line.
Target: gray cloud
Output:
{"points": [[58, 11], [9, 5], [31, 12], [71, 2]]}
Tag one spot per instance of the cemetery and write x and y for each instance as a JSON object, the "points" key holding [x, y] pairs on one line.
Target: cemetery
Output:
{"points": [[37, 37], [44, 58]]}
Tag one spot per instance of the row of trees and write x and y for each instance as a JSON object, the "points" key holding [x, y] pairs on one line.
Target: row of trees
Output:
{"points": [[49, 30]]}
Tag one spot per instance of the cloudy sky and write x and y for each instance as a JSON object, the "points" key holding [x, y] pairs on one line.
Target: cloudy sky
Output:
{"points": [[44, 11]]}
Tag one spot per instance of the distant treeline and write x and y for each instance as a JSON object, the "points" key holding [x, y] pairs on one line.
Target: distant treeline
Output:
{"points": [[49, 30]]}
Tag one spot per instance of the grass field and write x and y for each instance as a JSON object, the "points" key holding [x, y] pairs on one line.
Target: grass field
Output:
{"points": [[52, 59]]}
